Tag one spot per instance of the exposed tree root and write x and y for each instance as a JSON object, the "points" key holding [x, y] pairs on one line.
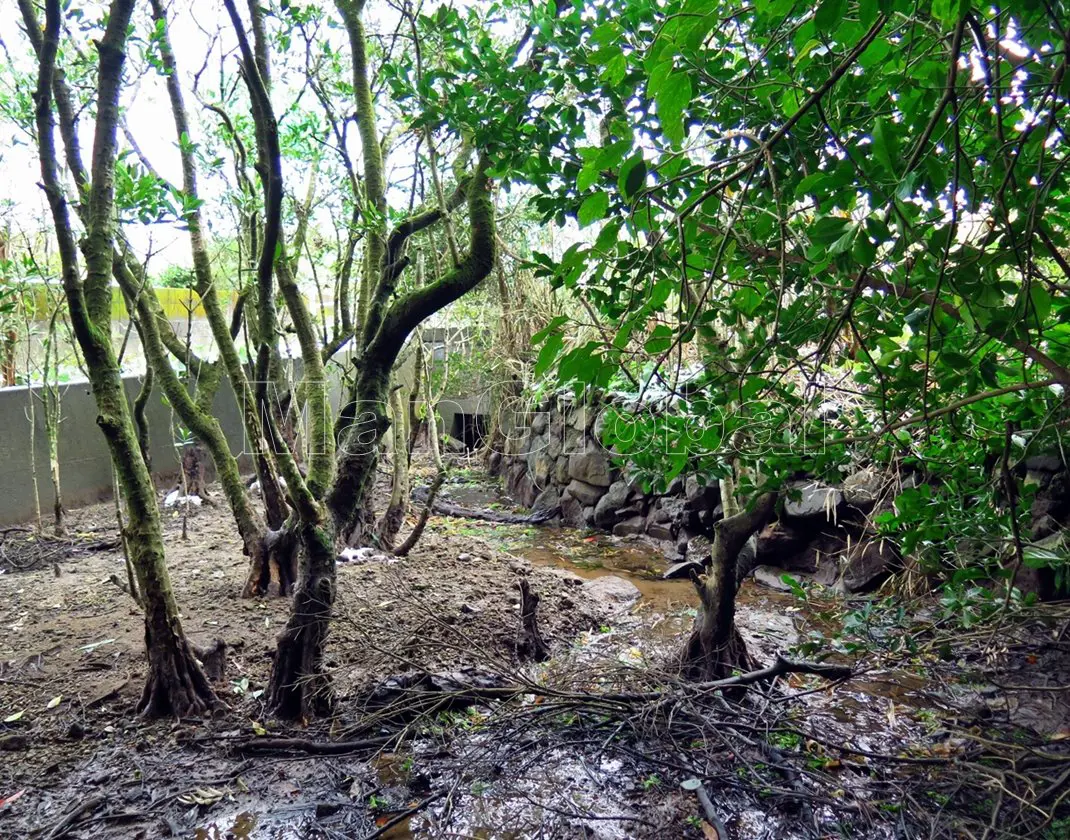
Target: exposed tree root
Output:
{"points": [[299, 688], [176, 685]]}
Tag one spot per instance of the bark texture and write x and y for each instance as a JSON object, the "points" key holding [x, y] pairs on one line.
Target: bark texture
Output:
{"points": [[715, 647], [175, 683]]}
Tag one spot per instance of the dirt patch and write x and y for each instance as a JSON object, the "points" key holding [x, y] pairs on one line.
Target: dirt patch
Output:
{"points": [[72, 667], [78, 764]]}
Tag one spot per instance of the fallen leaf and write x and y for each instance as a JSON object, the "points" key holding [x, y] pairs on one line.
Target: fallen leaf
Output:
{"points": [[259, 729], [94, 645], [55, 701], [14, 717], [202, 796], [7, 800], [709, 832]]}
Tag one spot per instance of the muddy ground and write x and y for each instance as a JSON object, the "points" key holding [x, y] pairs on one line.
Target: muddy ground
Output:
{"points": [[77, 763]]}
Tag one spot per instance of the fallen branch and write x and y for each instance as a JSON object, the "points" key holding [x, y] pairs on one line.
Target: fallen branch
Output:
{"points": [[704, 800], [402, 817], [68, 820], [306, 745]]}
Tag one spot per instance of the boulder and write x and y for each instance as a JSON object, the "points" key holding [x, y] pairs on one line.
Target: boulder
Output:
{"points": [[676, 486], [863, 488], [745, 560], [571, 510], [658, 531], [812, 501], [1044, 463], [588, 516], [869, 564], [555, 443], [779, 541], [582, 417], [684, 569], [612, 591], [607, 511], [561, 470], [548, 499], [773, 578], [698, 548], [701, 496], [575, 443], [591, 466], [586, 494], [539, 422], [633, 525], [542, 468], [518, 484]]}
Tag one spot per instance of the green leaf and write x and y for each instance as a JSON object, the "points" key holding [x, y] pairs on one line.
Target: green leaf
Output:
{"points": [[588, 176], [548, 353], [555, 323], [593, 209], [672, 96], [829, 15], [950, 12], [632, 176], [884, 146]]}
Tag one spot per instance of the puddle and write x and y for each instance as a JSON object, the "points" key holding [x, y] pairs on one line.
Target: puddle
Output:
{"points": [[240, 829], [600, 555]]}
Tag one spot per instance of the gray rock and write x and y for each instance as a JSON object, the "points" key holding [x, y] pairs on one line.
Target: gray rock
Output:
{"points": [[701, 496], [698, 548], [863, 488], [612, 591], [542, 468], [548, 499], [683, 569], [607, 511], [745, 560], [815, 501], [539, 422], [582, 417], [634, 525], [561, 470], [768, 576], [676, 486], [869, 564], [586, 494], [571, 510], [659, 531], [591, 466], [575, 442], [588, 517], [1044, 463]]}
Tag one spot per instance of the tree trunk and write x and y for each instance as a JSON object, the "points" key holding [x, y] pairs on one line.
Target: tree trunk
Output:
{"points": [[394, 516], [300, 688], [715, 647], [175, 683]]}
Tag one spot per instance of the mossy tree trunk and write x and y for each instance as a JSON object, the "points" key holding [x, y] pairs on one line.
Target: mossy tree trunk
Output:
{"points": [[269, 570], [715, 648], [176, 684]]}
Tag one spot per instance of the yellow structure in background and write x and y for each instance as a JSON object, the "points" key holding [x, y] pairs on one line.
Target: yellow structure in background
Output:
{"points": [[176, 303]]}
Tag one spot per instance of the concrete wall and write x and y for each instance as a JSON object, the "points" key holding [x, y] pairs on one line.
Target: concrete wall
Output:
{"points": [[85, 466]]}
